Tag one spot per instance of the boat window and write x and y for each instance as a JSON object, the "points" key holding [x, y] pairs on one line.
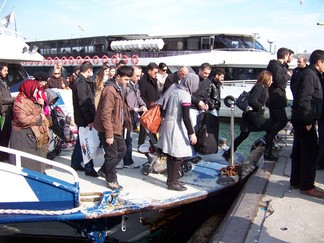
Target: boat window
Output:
{"points": [[193, 43], [16, 75], [173, 45], [207, 43], [238, 42]]}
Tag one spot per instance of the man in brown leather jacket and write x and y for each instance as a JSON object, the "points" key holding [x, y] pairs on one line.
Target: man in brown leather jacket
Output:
{"points": [[112, 121]]}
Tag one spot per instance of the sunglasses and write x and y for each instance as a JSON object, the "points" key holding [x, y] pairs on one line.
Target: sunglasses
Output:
{"points": [[164, 70], [57, 73]]}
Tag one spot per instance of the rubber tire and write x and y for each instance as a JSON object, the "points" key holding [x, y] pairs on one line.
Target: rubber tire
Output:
{"points": [[229, 100]]}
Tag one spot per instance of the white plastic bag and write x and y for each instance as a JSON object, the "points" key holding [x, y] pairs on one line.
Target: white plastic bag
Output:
{"points": [[90, 144]]}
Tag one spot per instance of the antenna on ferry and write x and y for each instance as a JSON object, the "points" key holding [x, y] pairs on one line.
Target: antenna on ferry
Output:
{"points": [[4, 3]]}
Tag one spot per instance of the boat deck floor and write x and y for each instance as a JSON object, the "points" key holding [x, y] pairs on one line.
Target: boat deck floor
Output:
{"points": [[148, 192]]}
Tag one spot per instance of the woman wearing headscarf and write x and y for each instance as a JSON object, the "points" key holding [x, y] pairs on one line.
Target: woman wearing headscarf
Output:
{"points": [[176, 133], [30, 127]]}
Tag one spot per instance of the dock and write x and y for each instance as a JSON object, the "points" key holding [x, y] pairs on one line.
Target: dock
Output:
{"points": [[268, 210]]}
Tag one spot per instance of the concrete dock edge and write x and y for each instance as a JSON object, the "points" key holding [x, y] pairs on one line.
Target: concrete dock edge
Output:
{"points": [[238, 219]]}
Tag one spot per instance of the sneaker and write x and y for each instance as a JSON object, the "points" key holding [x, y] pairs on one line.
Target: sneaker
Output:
{"points": [[131, 166], [114, 185]]}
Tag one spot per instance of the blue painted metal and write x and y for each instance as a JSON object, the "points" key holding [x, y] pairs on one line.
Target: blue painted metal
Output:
{"points": [[52, 193]]}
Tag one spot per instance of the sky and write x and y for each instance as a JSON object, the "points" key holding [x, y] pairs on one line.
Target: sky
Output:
{"points": [[287, 23]]}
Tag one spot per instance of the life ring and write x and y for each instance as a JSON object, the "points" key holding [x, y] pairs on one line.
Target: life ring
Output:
{"points": [[104, 59], [95, 60], [135, 59], [71, 60], [44, 61], [79, 60], [56, 59], [114, 59], [49, 61], [64, 60], [125, 57], [87, 58]]}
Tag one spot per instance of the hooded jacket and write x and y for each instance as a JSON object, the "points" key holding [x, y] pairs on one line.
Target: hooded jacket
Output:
{"points": [[277, 90], [113, 111]]}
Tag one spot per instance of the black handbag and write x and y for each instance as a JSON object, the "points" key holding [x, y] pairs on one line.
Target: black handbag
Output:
{"points": [[242, 102]]}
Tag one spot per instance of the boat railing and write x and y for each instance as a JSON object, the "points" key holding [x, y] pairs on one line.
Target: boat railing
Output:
{"points": [[19, 154], [10, 33], [243, 83], [238, 83]]}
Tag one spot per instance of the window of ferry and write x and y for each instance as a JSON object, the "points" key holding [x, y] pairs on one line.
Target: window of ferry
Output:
{"points": [[16, 75], [193, 43]]}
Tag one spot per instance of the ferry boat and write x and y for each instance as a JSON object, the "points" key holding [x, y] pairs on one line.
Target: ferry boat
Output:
{"points": [[63, 195], [241, 55]]}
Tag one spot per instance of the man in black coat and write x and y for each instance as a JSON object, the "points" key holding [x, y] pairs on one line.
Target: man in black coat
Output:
{"points": [[306, 109], [199, 102], [84, 113], [6, 102], [149, 93], [175, 77], [277, 93]]}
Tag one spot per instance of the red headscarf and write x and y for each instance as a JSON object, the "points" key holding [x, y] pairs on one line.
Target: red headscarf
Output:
{"points": [[28, 88]]}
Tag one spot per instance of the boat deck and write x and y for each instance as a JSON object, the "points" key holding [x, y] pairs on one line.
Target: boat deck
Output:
{"points": [[147, 192]]}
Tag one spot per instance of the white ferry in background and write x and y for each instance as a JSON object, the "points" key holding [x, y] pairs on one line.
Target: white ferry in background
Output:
{"points": [[241, 55]]}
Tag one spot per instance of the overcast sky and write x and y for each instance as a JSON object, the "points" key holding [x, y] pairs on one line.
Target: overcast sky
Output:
{"points": [[287, 22]]}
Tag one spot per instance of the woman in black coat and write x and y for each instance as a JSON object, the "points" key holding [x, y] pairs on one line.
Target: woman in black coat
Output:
{"points": [[253, 120]]}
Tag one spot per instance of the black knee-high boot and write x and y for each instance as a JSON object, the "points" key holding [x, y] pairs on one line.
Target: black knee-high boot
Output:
{"points": [[173, 181]]}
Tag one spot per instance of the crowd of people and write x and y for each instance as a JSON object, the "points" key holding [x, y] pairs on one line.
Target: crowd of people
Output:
{"points": [[112, 100]]}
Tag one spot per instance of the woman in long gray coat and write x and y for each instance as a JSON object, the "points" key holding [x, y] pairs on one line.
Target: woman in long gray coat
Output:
{"points": [[176, 132]]}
